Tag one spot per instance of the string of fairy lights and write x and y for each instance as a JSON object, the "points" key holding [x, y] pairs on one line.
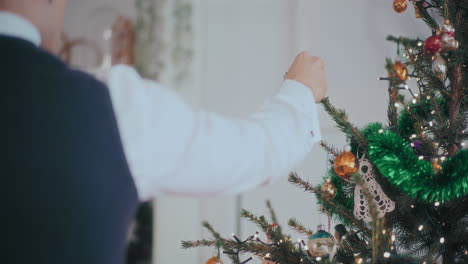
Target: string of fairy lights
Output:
{"points": [[398, 79], [266, 258], [400, 83]]}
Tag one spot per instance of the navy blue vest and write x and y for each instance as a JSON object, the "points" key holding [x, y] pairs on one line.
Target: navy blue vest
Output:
{"points": [[67, 193]]}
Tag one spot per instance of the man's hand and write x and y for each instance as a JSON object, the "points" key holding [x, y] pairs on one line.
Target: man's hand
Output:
{"points": [[309, 71]]}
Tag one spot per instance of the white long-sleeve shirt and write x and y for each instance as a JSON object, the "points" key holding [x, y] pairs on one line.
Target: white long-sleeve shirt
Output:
{"points": [[172, 148]]}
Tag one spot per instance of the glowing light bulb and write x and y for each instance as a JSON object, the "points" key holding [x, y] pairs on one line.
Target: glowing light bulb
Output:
{"points": [[386, 254], [421, 227], [436, 204], [442, 240]]}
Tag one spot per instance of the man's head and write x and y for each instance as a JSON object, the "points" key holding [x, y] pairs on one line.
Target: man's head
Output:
{"points": [[46, 15]]}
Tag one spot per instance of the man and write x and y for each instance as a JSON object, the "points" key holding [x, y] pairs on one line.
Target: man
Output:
{"points": [[80, 155]]}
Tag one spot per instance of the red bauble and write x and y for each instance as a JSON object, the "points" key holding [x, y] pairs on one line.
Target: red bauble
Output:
{"points": [[433, 44]]}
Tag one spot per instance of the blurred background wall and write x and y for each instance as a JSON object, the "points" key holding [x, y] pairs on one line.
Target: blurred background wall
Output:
{"points": [[241, 49]]}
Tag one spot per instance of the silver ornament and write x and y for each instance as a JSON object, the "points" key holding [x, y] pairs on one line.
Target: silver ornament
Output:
{"points": [[321, 243], [439, 67], [449, 43]]}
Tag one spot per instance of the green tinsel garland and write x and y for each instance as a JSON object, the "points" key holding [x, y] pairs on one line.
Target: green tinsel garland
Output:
{"points": [[370, 129], [397, 162]]}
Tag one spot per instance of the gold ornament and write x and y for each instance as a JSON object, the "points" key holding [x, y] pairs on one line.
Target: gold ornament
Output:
{"points": [[400, 6], [328, 190], [439, 67], [400, 71], [345, 165], [214, 260], [449, 43], [436, 166]]}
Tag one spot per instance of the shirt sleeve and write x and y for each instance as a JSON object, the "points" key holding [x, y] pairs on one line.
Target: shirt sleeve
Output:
{"points": [[172, 148]]}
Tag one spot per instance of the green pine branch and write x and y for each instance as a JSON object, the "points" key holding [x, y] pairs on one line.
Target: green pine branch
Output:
{"points": [[424, 7], [273, 217], [261, 222], [296, 180], [298, 227], [329, 148], [340, 117], [404, 41], [198, 243], [272, 212]]}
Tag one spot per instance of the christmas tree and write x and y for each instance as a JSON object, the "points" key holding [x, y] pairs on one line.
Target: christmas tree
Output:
{"points": [[400, 189]]}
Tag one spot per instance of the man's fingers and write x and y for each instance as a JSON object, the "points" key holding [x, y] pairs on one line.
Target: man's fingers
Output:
{"points": [[309, 70]]}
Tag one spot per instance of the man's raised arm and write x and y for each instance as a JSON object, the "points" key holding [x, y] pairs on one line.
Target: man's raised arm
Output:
{"points": [[172, 148]]}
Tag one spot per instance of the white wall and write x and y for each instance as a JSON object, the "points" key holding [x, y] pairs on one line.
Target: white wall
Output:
{"points": [[243, 48]]}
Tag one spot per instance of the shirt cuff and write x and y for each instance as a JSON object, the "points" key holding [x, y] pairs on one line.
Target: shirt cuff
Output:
{"points": [[302, 98]]}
